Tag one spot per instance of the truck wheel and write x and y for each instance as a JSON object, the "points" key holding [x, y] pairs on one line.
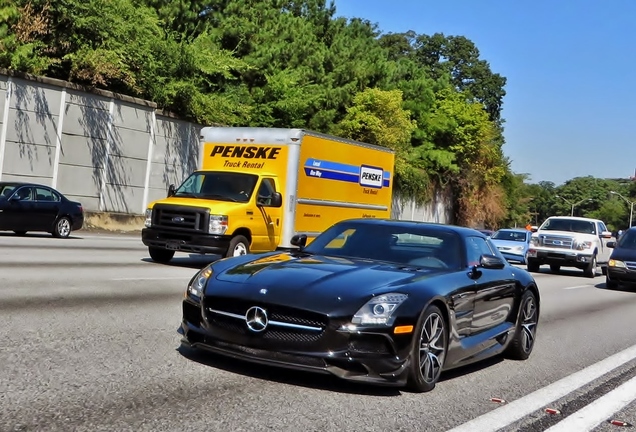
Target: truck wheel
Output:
{"points": [[533, 266], [555, 268], [590, 270], [160, 255], [238, 246]]}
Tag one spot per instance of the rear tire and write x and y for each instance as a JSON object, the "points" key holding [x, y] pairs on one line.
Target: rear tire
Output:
{"points": [[20, 233], [62, 227], [428, 351], [160, 255], [239, 245], [522, 342], [555, 268]]}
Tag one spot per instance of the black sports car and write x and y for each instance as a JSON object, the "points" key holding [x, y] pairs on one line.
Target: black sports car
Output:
{"points": [[621, 268], [381, 301], [36, 207]]}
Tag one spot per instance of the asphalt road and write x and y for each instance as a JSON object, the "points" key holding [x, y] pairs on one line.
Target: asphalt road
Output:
{"points": [[88, 342]]}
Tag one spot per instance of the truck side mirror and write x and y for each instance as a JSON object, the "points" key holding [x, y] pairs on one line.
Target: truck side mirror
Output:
{"points": [[275, 200], [171, 190]]}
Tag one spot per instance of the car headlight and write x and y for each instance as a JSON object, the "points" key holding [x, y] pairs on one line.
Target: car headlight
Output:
{"points": [[534, 241], [148, 222], [616, 263], [218, 224], [196, 287], [379, 310], [518, 248]]}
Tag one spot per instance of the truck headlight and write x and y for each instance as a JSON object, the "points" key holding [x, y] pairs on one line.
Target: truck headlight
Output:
{"points": [[379, 310], [616, 263], [218, 224], [196, 287], [584, 245], [148, 222]]}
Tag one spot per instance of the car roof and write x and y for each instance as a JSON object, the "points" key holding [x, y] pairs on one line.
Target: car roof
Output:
{"points": [[513, 229], [463, 231], [18, 183]]}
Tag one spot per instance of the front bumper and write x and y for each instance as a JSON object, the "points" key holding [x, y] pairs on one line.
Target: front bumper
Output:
{"points": [[567, 257], [367, 356], [621, 275], [520, 257], [185, 241]]}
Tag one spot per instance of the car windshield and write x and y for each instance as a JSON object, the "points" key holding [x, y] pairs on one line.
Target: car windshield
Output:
{"points": [[416, 246], [509, 235], [572, 225], [628, 240], [223, 186], [6, 190]]}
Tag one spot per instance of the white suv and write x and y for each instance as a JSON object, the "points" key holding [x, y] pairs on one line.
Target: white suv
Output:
{"points": [[564, 241]]}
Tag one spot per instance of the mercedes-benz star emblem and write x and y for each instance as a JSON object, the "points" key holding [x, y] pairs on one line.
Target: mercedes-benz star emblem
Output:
{"points": [[256, 319]]}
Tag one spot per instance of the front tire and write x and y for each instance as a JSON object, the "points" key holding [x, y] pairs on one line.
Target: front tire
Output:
{"points": [[590, 270], [239, 245], [610, 284], [430, 341], [522, 342], [62, 227], [533, 266], [160, 255]]}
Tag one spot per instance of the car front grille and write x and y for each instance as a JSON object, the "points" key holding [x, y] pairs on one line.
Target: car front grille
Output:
{"points": [[180, 217], [631, 265], [557, 241], [286, 324]]}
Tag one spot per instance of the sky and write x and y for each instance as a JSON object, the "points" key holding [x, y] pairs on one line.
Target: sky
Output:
{"points": [[570, 65]]}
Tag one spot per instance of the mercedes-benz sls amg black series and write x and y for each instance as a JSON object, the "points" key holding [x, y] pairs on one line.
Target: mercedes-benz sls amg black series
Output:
{"points": [[379, 301]]}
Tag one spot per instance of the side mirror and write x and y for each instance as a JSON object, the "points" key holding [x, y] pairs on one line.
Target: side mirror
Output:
{"points": [[275, 200], [606, 234], [611, 244], [299, 240], [488, 261], [171, 190]]}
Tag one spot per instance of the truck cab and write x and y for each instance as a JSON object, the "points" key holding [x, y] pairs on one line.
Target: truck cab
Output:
{"points": [[228, 213]]}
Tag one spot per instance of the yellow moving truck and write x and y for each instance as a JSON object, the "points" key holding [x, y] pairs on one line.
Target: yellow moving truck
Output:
{"points": [[258, 187]]}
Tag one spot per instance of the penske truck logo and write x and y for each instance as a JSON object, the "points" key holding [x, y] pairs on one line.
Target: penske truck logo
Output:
{"points": [[245, 152], [250, 157], [370, 178]]}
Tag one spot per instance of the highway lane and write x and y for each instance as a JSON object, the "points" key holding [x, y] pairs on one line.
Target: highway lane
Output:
{"points": [[89, 342]]}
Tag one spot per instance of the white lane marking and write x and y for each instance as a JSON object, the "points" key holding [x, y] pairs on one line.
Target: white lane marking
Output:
{"points": [[515, 410], [577, 287], [586, 419], [151, 278]]}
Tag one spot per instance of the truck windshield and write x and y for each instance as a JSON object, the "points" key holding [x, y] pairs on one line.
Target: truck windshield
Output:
{"points": [[572, 225], [218, 185]]}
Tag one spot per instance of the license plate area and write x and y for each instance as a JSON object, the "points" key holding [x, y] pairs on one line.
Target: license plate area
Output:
{"points": [[173, 245]]}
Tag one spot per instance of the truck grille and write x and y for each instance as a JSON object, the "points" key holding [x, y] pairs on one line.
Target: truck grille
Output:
{"points": [[557, 241], [180, 217]]}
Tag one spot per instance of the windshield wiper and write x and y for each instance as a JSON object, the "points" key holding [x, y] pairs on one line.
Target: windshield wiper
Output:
{"points": [[223, 197], [185, 194]]}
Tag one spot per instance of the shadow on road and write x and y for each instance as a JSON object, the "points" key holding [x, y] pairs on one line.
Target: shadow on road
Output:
{"points": [[38, 235], [193, 261], [621, 288], [312, 380]]}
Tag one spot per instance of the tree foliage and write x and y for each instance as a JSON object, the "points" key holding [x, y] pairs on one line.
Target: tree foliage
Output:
{"points": [[288, 63]]}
